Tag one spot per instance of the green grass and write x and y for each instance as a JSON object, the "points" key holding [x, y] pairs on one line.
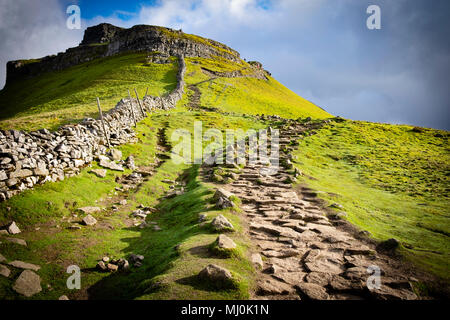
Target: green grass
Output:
{"points": [[167, 273], [391, 181], [56, 98], [247, 95]]}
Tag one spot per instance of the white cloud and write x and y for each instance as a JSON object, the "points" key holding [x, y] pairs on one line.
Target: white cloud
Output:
{"points": [[320, 49], [33, 29]]}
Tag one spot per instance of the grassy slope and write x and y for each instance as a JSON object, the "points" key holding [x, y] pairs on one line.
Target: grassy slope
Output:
{"points": [[54, 247], [57, 98], [247, 95], [391, 181]]}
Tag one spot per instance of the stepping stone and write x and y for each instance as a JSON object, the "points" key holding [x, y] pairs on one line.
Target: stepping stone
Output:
{"points": [[272, 286], [257, 260], [320, 278], [28, 284], [4, 271], [313, 291], [292, 278], [24, 265], [89, 220]]}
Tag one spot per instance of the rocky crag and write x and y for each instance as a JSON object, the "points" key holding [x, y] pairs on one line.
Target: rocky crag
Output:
{"points": [[106, 40], [30, 158]]}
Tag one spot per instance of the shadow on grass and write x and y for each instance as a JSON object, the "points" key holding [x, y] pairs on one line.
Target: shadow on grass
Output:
{"points": [[178, 218]]}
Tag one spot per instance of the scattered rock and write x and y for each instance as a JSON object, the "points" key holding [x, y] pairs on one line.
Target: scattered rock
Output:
{"points": [[202, 217], [101, 173], [112, 267], [4, 271], [135, 258], [105, 259], [116, 154], [89, 220], [17, 241], [220, 223], [226, 243], [63, 297], [110, 165], [24, 265], [90, 210], [123, 202], [101, 266], [2, 258], [223, 199], [28, 283], [312, 291], [13, 228], [257, 260], [218, 276], [130, 163]]}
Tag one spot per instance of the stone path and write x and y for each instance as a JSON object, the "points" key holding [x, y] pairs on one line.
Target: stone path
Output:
{"points": [[304, 255]]}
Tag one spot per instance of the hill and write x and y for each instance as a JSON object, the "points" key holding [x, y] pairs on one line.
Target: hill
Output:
{"points": [[308, 231]]}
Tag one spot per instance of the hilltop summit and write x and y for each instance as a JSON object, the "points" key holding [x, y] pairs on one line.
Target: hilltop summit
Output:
{"points": [[105, 40]]}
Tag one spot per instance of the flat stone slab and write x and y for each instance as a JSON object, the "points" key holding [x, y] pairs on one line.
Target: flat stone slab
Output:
{"points": [[101, 173], [257, 260], [24, 265], [89, 220], [272, 286], [90, 210], [17, 241], [28, 284], [313, 291], [110, 165]]}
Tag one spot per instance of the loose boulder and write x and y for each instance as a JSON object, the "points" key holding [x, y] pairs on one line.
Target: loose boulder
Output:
{"points": [[89, 220], [220, 223], [13, 228], [28, 283], [217, 276], [4, 271]]}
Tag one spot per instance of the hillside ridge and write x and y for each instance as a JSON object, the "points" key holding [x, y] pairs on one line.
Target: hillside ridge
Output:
{"points": [[106, 40]]}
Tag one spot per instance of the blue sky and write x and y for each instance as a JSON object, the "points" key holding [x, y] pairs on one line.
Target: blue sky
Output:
{"points": [[321, 49]]}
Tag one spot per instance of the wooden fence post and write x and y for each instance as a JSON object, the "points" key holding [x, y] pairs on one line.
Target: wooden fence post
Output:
{"points": [[103, 122], [146, 92], [139, 101], [131, 107]]}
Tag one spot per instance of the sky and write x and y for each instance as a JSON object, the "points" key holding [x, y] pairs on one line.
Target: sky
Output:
{"points": [[320, 49]]}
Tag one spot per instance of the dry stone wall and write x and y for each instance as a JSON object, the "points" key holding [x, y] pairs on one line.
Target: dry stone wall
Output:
{"points": [[30, 158]]}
